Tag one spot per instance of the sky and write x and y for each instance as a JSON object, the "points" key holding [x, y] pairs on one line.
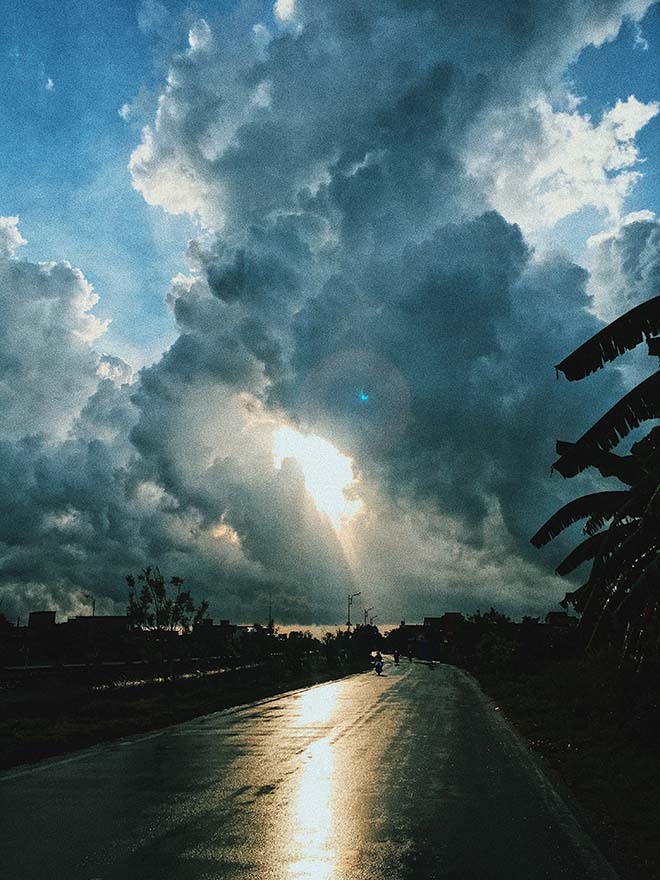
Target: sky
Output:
{"points": [[282, 287]]}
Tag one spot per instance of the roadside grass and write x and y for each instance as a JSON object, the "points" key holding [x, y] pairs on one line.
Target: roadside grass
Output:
{"points": [[51, 725], [578, 715]]}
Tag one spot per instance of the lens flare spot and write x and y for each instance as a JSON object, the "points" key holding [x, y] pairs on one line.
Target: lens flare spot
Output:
{"points": [[328, 474]]}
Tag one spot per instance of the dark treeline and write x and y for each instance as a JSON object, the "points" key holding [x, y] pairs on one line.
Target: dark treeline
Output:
{"points": [[165, 633], [64, 654], [52, 708], [548, 662], [489, 642]]}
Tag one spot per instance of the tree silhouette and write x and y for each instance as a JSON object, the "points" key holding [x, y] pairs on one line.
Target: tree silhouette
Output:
{"points": [[150, 606], [619, 602]]}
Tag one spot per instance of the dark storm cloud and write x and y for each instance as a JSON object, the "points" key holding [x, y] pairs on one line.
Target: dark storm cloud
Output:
{"points": [[47, 367], [81, 506], [351, 124], [350, 279]]}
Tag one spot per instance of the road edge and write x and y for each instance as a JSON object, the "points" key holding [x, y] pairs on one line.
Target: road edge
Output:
{"points": [[603, 862]]}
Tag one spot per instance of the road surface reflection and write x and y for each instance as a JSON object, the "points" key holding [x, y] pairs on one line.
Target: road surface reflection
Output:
{"points": [[317, 706], [311, 835], [368, 778], [311, 829]]}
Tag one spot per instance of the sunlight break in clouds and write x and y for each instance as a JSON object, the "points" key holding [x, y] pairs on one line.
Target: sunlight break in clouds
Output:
{"points": [[328, 473], [339, 243]]}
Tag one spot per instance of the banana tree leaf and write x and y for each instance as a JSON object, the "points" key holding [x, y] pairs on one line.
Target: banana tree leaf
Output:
{"points": [[621, 335], [640, 404], [574, 459], [584, 551], [595, 523], [622, 567], [654, 347], [578, 598], [648, 444], [598, 504], [602, 544], [644, 587]]}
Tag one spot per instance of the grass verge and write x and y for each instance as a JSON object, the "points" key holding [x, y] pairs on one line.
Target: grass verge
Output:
{"points": [[578, 716], [47, 726]]}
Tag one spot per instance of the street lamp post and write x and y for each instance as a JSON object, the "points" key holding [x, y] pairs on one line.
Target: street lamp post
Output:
{"points": [[366, 614], [351, 596], [371, 619]]}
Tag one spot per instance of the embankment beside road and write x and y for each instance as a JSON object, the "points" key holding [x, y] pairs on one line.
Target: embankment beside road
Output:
{"points": [[45, 724], [585, 720]]}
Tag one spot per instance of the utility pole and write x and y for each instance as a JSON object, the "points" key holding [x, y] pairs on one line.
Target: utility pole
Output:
{"points": [[351, 596], [366, 613], [92, 599], [371, 619]]}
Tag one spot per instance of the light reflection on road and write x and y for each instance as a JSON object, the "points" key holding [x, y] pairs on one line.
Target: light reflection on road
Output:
{"points": [[314, 856], [368, 778], [317, 705], [311, 829]]}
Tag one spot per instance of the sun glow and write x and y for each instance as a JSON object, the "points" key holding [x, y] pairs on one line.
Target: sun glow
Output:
{"points": [[224, 532], [328, 474]]}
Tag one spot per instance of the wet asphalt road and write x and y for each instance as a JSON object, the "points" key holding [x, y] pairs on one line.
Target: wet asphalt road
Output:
{"points": [[410, 775]]}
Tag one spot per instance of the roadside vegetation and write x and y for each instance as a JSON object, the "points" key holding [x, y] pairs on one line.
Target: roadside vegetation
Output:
{"points": [[59, 710], [598, 731], [593, 721], [620, 601], [584, 690], [597, 719]]}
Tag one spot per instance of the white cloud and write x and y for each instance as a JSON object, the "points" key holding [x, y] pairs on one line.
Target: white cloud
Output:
{"points": [[262, 38], [341, 199], [163, 176], [10, 237], [640, 41], [346, 264], [284, 9], [262, 95], [624, 263], [200, 37], [151, 16], [50, 85], [544, 164], [46, 327], [114, 368]]}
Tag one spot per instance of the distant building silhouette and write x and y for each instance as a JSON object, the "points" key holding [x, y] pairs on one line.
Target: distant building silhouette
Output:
{"points": [[41, 620]]}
